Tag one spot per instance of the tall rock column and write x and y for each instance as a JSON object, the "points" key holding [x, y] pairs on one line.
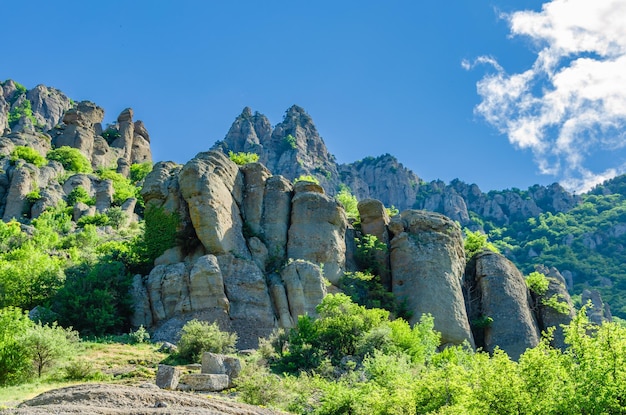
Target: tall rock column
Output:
{"points": [[501, 291], [374, 220], [427, 263], [317, 231]]}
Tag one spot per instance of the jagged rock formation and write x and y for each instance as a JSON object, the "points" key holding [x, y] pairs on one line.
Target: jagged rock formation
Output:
{"points": [[56, 121], [458, 199], [294, 148]]}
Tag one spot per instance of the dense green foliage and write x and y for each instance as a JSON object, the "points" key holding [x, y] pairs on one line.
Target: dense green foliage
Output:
{"points": [[476, 242], [28, 348], [289, 142], [79, 194], [355, 361], [349, 203], [110, 135], [198, 337], [537, 283], [29, 155], [243, 158], [71, 159], [588, 241], [139, 171], [161, 230]]}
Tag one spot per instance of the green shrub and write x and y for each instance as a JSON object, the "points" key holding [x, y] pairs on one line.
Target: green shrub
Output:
{"points": [[28, 154], [71, 159], [110, 135], [367, 290], [476, 242], [160, 233], [99, 219], [307, 178], [537, 283], [33, 196], [368, 250], [243, 158], [15, 361], [139, 171], [289, 142], [555, 302], [123, 188], [349, 203], [198, 337], [79, 194], [117, 217], [140, 335], [22, 110]]}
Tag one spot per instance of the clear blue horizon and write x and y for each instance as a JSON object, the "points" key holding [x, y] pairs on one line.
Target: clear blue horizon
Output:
{"points": [[422, 81]]}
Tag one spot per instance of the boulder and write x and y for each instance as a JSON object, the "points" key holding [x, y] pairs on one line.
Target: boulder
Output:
{"points": [[255, 175], [501, 291], [206, 285], [220, 364], [168, 377], [276, 216], [304, 287], [203, 382], [548, 316], [427, 261], [22, 181], [212, 186], [598, 311]]}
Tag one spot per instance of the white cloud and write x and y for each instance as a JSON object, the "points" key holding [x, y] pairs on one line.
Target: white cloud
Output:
{"points": [[572, 102]]}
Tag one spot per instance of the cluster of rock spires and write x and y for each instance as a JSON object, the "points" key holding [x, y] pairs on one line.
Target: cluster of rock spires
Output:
{"points": [[263, 251], [60, 122], [270, 250]]}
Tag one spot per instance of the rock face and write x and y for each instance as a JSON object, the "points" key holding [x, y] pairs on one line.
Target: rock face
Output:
{"points": [[497, 291], [427, 263]]}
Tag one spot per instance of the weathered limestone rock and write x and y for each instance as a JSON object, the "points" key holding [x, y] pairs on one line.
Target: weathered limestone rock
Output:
{"points": [[79, 131], [220, 364], [281, 303], [140, 151], [168, 291], [22, 181], [276, 216], [206, 285], [104, 195], [503, 296], [374, 220], [212, 187], [599, 312], [317, 231], [82, 180], [81, 209], [127, 132], [255, 175], [260, 254], [142, 313], [548, 316], [161, 188], [304, 286], [48, 105], [168, 377], [427, 263], [203, 382]]}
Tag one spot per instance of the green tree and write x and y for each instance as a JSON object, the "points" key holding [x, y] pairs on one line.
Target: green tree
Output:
{"points": [[47, 344], [349, 203], [476, 242], [15, 363]]}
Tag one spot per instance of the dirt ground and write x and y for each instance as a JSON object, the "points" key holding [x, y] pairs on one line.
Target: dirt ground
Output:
{"points": [[121, 399]]}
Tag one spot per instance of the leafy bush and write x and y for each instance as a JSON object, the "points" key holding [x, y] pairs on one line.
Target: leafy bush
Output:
{"points": [[243, 158], [537, 283], [368, 250], [367, 290], [15, 363], [160, 233], [555, 303], [349, 203], [98, 219], [33, 196], [79, 194], [28, 154], [476, 242], [139, 171], [289, 142], [198, 337], [307, 178], [140, 335], [117, 217], [22, 110], [110, 135], [71, 159], [123, 188], [96, 298]]}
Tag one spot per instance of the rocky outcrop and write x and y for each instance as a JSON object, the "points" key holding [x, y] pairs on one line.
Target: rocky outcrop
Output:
{"points": [[458, 199], [500, 306], [597, 310], [549, 316], [294, 148], [427, 263]]}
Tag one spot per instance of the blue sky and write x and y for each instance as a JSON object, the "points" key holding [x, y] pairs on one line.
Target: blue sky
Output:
{"points": [[454, 91]]}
